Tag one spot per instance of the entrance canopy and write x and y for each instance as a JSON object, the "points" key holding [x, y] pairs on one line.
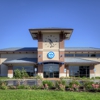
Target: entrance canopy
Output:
{"points": [[74, 60], [51, 61], [21, 61]]}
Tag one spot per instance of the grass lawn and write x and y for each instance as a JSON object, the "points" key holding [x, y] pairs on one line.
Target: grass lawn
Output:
{"points": [[46, 95]]}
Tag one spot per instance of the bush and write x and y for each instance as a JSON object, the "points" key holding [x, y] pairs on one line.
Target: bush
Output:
{"points": [[97, 77], [74, 85], [3, 83], [12, 87], [60, 85], [3, 87], [34, 87], [20, 73], [47, 84], [38, 77], [21, 87], [88, 85], [17, 73], [24, 73]]}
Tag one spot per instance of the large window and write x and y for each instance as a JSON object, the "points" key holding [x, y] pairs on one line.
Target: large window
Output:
{"points": [[28, 69], [98, 55], [81, 55], [79, 71], [69, 55], [92, 55]]}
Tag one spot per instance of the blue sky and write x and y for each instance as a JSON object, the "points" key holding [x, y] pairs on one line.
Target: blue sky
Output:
{"points": [[17, 16]]}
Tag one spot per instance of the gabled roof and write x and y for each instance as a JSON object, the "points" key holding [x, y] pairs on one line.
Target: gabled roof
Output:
{"points": [[21, 60], [74, 60]]}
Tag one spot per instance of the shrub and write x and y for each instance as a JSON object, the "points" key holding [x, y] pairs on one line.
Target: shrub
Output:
{"points": [[38, 77], [47, 84], [3, 83], [21, 87], [3, 87], [74, 85], [97, 77], [17, 73], [24, 73], [88, 85], [27, 87], [60, 85], [20, 73], [12, 87], [34, 87]]}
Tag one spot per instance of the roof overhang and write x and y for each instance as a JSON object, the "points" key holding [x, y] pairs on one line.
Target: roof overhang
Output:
{"points": [[80, 61], [22, 61], [66, 31], [51, 61]]}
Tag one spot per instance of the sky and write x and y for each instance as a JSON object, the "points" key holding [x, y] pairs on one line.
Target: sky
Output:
{"points": [[18, 16]]}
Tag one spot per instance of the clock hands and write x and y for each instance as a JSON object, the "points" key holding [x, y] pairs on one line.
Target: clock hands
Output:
{"points": [[50, 40], [51, 43]]}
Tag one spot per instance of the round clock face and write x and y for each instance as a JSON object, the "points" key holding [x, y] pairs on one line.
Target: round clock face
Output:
{"points": [[50, 55], [50, 41]]}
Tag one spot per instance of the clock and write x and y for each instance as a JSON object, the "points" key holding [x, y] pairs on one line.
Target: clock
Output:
{"points": [[51, 40], [50, 55]]}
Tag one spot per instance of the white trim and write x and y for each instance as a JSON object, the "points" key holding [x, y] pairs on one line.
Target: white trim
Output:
{"points": [[92, 75], [10, 75], [41, 74], [67, 74], [62, 75], [40, 49], [61, 49]]}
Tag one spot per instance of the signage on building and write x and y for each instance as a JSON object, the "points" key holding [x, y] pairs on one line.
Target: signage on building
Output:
{"points": [[64, 70]]}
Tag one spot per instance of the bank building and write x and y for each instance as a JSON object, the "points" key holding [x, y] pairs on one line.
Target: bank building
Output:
{"points": [[51, 59]]}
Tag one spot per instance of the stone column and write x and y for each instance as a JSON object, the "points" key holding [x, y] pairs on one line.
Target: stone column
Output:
{"points": [[91, 71], [40, 70], [10, 71]]}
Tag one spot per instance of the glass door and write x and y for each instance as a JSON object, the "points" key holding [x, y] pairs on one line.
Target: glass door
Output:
{"points": [[51, 70]]}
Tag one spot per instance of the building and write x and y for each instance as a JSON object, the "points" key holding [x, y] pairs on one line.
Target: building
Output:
{"points": [[51, 59]]}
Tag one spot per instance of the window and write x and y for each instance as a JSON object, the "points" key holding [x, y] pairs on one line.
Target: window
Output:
{"points": [[28, 69], [92, 55], [69, 55], [98, 55], [81, 55]]}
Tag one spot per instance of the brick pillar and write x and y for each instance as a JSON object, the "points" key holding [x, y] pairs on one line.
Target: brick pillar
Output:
{"points": [[40, 54], [61, 70], [91, 71], [61, 55], [10, 71], [40, 70]]}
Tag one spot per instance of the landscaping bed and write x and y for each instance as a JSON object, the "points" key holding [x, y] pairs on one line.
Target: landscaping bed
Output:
{"points": [[58, 85]]}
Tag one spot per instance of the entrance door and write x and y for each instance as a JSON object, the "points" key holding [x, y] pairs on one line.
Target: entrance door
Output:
{"points": [[84, 71], [51, 75], [51, 70]]}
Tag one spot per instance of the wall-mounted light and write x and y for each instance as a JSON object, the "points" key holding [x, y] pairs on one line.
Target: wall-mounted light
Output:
{"points": [[61, 55], [39, 55]]}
